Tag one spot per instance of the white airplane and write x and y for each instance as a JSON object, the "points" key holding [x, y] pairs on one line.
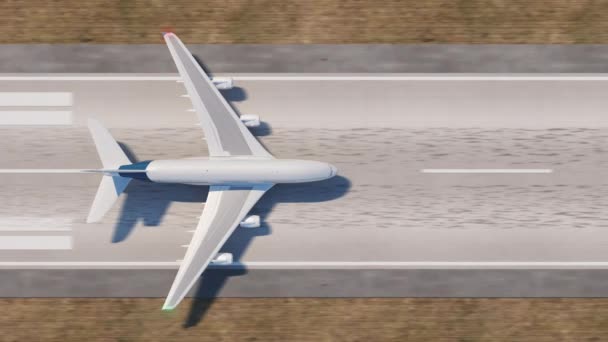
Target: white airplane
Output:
{"points": [[239, 171]]}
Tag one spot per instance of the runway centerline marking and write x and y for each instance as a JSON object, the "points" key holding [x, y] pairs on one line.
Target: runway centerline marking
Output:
{"points": [[17, 171], [477, 171]]}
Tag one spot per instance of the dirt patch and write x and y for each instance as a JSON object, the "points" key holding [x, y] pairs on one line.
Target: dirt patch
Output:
{"points": [[306, 319], [311, 21]]}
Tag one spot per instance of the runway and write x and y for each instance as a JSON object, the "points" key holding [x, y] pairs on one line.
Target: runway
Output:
{"points": [[382, 132], [309, 58]]}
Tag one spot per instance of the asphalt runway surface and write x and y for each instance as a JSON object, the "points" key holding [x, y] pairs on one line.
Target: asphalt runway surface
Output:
{"points": [[308, 58], [545, 136]]}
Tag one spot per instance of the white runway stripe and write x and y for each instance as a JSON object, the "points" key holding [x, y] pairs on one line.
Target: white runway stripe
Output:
{"points": [[38, 224], [24, 99], [35, 229], [47, 171], [420, 78], [319, 264], [417, 264], [89, 264], [325, 77], [49, 117], [35, 242], [486, 171]]}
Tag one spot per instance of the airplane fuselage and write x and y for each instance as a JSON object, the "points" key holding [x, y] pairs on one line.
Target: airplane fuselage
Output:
{"points": [[231, 171]]}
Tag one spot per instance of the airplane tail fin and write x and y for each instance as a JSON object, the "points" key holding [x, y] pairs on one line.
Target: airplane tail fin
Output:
{"points": [[112, 184]]}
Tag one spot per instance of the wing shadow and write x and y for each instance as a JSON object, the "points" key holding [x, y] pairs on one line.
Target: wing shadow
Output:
{"points": [[202, 65]]}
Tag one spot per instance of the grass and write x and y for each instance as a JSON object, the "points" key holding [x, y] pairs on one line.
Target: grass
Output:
{"points": [[306, 319], [310, 21]]}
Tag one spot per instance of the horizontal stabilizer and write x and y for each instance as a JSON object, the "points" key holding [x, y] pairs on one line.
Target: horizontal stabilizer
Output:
{"points": [[110, 153], [108, 192], [112, 184]]}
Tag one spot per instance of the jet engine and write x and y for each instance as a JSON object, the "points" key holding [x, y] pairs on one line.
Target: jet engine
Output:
{"points": [[252, 221], [250, 120], [222, 259], [223, 83]]}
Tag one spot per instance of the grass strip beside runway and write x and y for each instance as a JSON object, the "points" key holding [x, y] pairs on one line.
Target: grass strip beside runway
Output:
{"points": [[305, 319], [314, 21]]}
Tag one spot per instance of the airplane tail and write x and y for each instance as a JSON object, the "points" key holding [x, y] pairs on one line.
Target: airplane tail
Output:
{"points": [[112, 184]]}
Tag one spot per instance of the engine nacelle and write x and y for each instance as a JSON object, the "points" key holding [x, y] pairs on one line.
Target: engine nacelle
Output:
{"points": [[252, 221], [222, 259], [223, 83], [250, 120]]}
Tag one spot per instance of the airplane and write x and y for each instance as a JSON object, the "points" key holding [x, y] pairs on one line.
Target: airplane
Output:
{"points": [[238, 171]]}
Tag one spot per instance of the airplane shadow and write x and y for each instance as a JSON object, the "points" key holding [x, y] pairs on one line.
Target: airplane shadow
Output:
{"points": [[149, 202], [202, 65], [234, 94]]}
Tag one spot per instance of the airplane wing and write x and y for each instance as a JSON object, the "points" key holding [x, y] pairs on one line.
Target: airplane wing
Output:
{"points": [[226, 135], [225, 208]]}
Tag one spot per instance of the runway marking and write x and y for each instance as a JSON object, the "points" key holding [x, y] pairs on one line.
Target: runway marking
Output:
{"points": [[88, 264], [416, 264], [44, 171], [421, 78], [32, 117], [35, 224], [318, 264], [35, 242], [30, 99], [486, 171], [34, 229], [308, 77]]}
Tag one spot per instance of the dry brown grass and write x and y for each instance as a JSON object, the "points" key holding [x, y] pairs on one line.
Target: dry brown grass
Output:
{"points": [[310, 21], [278, 319]]}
